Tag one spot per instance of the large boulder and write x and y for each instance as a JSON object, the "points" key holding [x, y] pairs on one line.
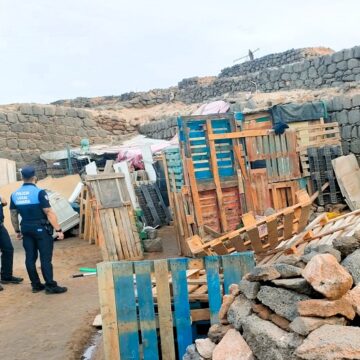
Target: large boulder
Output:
{"points": [[217, 332], [326, 308], [331, 342], [304, 325], [327, 276], [346, 244], [232, 347], [352, 264], [282, 301], [268, 341], [205, 347], [262, 273], [238, 311]]}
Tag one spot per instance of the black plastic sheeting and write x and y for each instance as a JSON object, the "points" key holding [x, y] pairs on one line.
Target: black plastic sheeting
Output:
{"points": [[292, 112]]}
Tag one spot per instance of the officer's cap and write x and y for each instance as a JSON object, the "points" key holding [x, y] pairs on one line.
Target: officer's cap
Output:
{"points": [[28, 172]]}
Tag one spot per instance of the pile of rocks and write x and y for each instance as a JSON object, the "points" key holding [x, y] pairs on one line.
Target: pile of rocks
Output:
{"points": [[305, 307]]}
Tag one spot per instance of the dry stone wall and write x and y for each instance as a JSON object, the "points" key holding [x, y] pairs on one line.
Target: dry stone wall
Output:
{"points": [[330, 70], [333, 70], [273, 60], [346, 111], [28, 130]]}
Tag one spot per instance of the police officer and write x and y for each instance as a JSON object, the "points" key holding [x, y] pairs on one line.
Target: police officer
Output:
{"points": [[7, 252], [37, 223]]}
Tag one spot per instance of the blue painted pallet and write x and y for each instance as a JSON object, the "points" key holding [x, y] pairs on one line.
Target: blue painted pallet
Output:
{"points": [[130, 308], [193, 137]]}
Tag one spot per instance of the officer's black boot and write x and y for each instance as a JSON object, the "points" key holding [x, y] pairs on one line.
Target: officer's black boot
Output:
{"points": [[12, 280], [56, 289], [38, 287], [1, 288]]}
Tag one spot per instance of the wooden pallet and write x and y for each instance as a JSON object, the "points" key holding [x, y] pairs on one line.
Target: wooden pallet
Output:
{"points": [[132, 315], [317, 135], [114, 218], [259, 236], [278, 152], [321, 231]]}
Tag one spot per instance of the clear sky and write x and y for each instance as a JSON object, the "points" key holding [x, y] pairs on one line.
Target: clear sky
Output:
{"points": [[57, 49]]}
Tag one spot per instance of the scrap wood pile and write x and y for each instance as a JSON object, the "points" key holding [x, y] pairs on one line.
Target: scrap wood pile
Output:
{"points": [[302, 307], [229, 171]]}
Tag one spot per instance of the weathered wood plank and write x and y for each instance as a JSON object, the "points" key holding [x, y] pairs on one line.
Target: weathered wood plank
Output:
{"points": [[126, 310], [181, 303], [212, 267], [146, 310], [164, 309], [108, 310]]}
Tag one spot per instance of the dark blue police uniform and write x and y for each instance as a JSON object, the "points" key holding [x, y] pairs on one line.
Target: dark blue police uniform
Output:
{"points": [[29, 201], [6, 248]]}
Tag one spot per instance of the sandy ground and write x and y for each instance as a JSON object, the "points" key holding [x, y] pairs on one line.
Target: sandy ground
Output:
{"points": [[58, 327], [50, 327]]}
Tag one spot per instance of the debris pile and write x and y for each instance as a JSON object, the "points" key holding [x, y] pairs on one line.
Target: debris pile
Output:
{"points": [[304, 307]]}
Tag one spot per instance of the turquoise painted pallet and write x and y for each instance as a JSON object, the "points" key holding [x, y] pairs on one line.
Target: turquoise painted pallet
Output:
{"points": [[133, 317], [193, 136], [174, 167]]}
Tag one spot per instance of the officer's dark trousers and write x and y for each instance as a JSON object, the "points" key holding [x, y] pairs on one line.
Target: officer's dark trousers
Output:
{"points": [[7, 254], [35, 242]]}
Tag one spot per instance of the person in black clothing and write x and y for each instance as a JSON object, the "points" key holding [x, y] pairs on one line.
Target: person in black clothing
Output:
{"points": [[7, 252], [36, 229]]}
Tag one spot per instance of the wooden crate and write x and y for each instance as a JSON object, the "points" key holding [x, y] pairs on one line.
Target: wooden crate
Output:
{"points": [[132, 316]]}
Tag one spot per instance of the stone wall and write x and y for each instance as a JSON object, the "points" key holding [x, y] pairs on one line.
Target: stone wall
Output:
{"points": [[274, 60], [162, 129], [346, 111], [29, 130], [333, 70]]}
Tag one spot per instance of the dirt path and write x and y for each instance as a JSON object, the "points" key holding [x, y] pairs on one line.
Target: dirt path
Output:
{"points": [[50, 327]]}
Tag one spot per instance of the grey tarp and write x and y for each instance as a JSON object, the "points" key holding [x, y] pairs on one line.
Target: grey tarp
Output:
{"points": [[293, 112]]}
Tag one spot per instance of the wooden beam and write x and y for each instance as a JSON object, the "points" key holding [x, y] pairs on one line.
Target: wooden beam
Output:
{"points": [[239, 134]]}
